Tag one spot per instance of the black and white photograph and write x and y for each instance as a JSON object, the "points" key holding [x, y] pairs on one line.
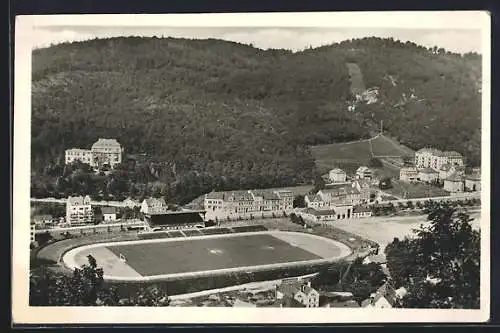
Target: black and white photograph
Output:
{"points": [[252, 168]]}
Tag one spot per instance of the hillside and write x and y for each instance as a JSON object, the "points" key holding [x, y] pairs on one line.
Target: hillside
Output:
{"points": [[222, 115]]}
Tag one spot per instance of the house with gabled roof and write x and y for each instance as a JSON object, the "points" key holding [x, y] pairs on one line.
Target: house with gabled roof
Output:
{"points": [[385, 297], [302, 293], [454, 183], [473, 182], [152, 206], [428, 175], [108, 214], [337, 176]]}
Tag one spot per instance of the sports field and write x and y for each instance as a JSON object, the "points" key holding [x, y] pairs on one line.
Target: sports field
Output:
{"points": [[166, 257], [209, 254]]}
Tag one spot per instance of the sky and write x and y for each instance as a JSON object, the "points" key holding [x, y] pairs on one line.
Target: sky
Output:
{"points": [[292, 38]]}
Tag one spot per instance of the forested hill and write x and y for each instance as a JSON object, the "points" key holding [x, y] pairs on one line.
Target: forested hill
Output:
{"points": [[239, 116]]}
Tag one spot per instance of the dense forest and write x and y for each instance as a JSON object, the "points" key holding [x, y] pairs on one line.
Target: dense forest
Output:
{"points": [[211, 114]]}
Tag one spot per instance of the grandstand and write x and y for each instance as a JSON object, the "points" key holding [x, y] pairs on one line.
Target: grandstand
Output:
{"points": [[176, 220]]}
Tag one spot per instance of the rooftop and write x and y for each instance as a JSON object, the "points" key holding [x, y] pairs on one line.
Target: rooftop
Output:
{"points": [[101, 142], [337, 170], [79, 200], [155, 202], [176, 218], [427, 170], [454, 178], [315, 212], [361, 209]]}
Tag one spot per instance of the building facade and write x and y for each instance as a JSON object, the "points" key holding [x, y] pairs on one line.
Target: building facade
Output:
{"points": [[473, 182], [77, 154], [408, 174], [79, 210], [301, 292], [428, 175], [103, 152], [435, 158], [361, 211], [32, 231], [106, 152], [364, 172], [454, 183], [108, 214], [337, 176], [152, 206], [246, 203]]}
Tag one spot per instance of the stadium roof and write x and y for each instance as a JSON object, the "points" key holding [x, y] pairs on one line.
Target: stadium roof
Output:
{"points": [[176, 218]]}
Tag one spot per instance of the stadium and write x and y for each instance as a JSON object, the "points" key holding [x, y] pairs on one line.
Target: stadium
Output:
{"points": [[206, 252]]}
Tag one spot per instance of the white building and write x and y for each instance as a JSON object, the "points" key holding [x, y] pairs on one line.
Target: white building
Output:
{"points": [[364, 172], [337, 176], [151, 206], [447, 170], [361, 211], [313, 215], [427, 175], [131, 203], [300, 292], [385, 297], [108, 214], [103, 152], [435, 158], [408, 174], [246, 203], [77, 154], [32, 231], [454, 183], [79, 210], [106, 152], [473, 182]]}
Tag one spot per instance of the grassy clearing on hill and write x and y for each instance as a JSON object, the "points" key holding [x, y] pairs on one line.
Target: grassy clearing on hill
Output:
{"points": [[385, 146], [354, 154]]}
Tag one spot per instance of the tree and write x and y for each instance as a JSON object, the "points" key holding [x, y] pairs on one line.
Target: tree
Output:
{"points": [[85, 287], [440, 266], [43, 238], [385, 183], [299, 201]]}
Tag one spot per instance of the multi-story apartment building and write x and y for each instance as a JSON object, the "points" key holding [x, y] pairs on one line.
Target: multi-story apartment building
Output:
{"points": [[244, 203], [77, 154], [334, 195], [153, 206], [103, 152], [435, 158], [106, 151], [79, 210], [32, 231]]}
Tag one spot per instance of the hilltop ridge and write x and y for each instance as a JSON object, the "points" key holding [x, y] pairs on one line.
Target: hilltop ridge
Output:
{"points": [[229, 115]]}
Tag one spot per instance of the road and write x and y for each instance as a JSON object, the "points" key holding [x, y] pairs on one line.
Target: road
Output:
{"points": [[95, 203]]}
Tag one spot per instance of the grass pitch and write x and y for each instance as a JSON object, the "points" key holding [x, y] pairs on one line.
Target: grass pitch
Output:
{"points": [[209, 254]]}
